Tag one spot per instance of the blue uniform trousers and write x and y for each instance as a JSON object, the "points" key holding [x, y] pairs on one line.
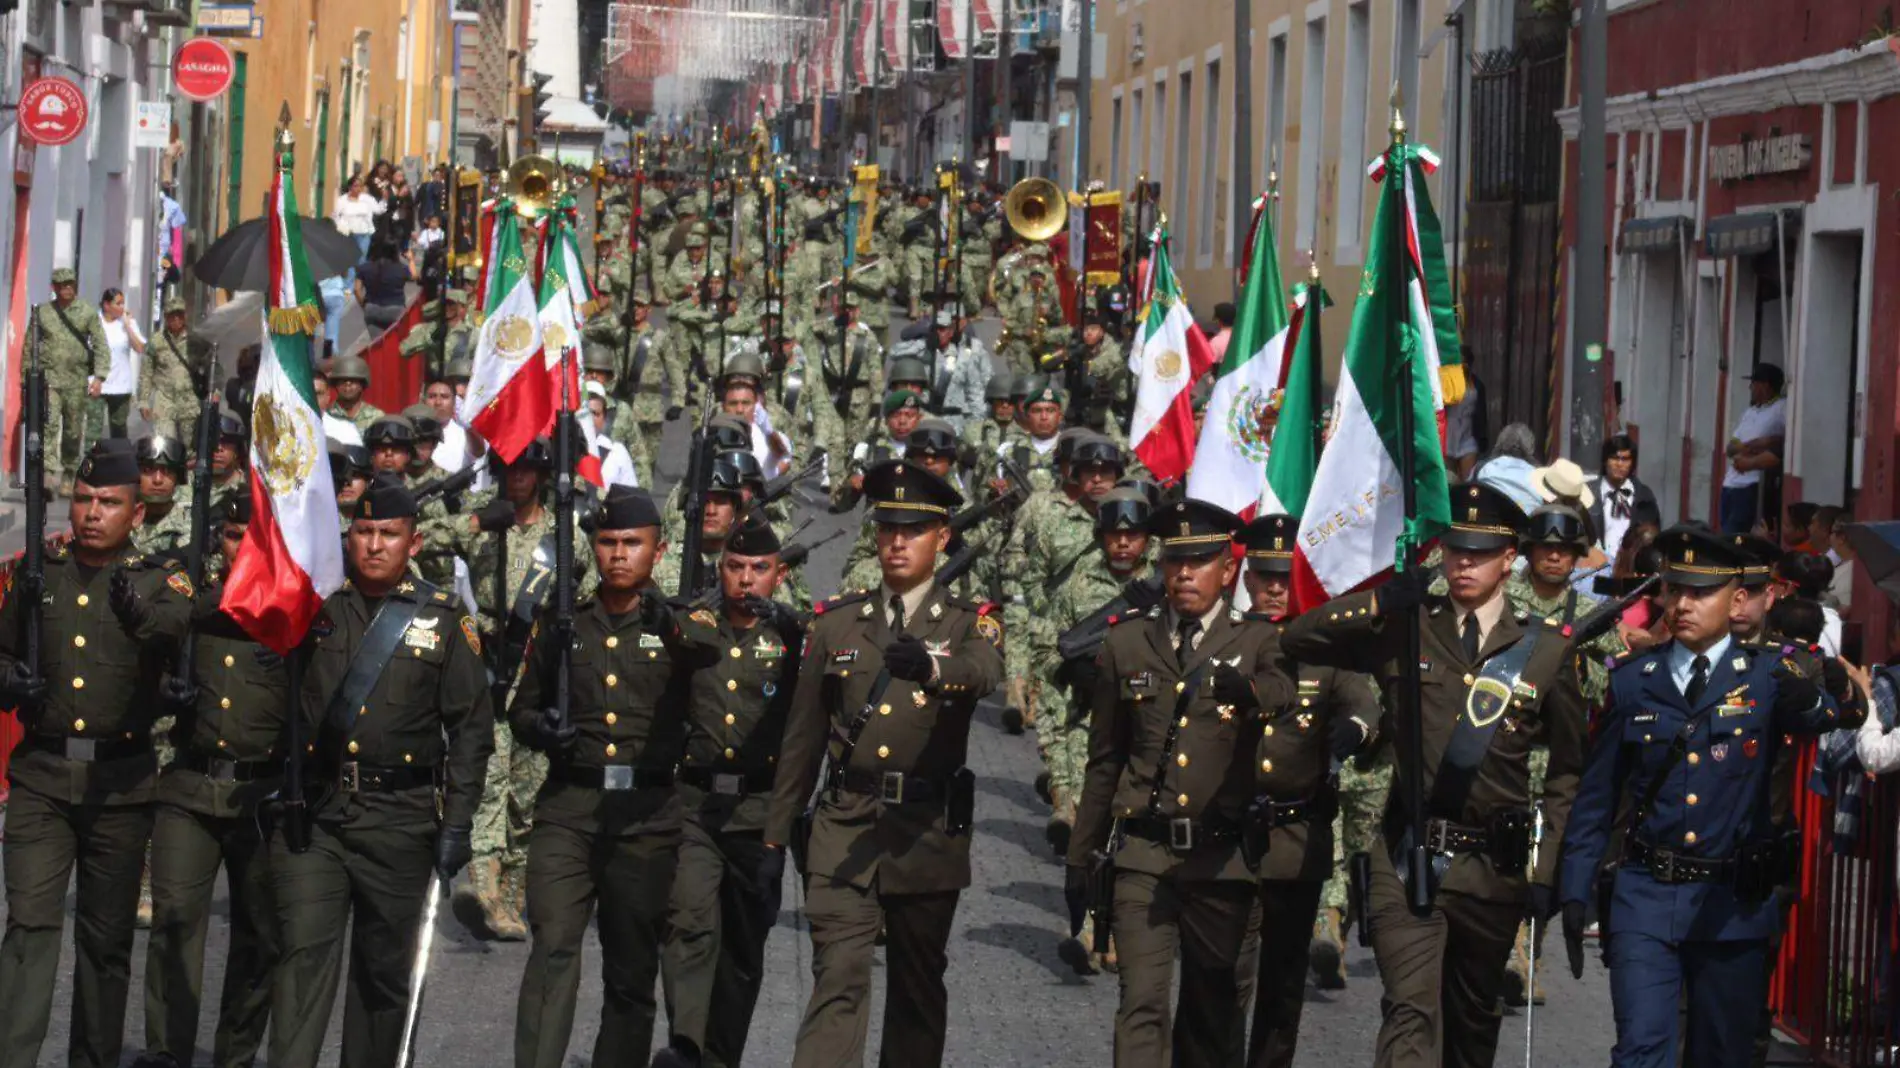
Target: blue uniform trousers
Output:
{"points": [[1726, 984]]}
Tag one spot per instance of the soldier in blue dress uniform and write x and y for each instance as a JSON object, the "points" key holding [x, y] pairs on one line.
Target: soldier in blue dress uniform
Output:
{"points": [[1691, 736]]}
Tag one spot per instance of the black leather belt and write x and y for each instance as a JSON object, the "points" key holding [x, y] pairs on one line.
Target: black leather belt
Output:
{"points": [[1182, 834], [613, 777], [1444, 836], [893, 787], [355, 778], [1290, 812], [727, 782], [218, 769], [1669, 866], [90, 750]]}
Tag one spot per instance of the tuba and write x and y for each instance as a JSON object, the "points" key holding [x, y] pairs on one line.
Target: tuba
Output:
{"points": [[534, 183], [1036, 209]]}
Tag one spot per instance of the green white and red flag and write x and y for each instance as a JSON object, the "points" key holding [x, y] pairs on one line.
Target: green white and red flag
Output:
{"points": [[509, 390], [1169, 355], [292, 554]]}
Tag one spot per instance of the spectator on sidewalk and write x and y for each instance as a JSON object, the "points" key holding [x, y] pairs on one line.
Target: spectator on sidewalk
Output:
{"points": [[399, 222], [355, 215], [1621, 497], [1508, 469], [1753, 448], [1223, 331], [335, 294], [382, 285], [432, 198], [127, 346]]}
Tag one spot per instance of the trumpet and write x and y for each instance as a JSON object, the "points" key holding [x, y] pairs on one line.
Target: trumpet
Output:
{"points": [[534, 183], [1036, 209]]}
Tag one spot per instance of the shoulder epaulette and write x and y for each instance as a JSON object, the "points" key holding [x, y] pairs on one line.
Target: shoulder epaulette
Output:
{"points": [[853, 597], [1127, 617], [58, 552]]}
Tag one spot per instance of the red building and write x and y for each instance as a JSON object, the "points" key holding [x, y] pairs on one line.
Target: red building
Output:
{"points": [[1750, 147]]}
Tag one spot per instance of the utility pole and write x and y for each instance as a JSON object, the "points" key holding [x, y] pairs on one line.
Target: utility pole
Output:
{"points": [[969, 80], [1242, 190], [877, 61], [1084, 72], [1586, 351], [1005, 111]]}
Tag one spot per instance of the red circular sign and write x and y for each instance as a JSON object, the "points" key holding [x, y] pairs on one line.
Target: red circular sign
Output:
{"points": [[52, 111], [202, 69]]}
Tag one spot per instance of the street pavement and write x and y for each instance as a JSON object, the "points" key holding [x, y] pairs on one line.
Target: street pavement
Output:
{"points": [[1012, 1002]]}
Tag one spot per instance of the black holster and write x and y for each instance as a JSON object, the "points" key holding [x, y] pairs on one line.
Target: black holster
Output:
{"points": [[960, 805], [800, 845], [1509, 838], [1102, 897], [1606, 894], [1256, 831]]}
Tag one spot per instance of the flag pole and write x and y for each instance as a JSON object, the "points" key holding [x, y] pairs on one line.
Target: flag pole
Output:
{"points": [[1418, 859]]}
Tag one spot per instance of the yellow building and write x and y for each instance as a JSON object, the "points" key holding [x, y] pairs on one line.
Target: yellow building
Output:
{"points": [[363, 81], [1322, 75]]}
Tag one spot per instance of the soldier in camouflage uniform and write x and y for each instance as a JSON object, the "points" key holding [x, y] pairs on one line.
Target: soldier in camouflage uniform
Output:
{"points": [[421, 342], [1031, 442], [349, 377], [349, 473], [683, 275], [423, 468], [1031, 308], [933, 443], [167, 526], [852, 374], [1119, 557], [491, 900], [1108, 378], [986, 436], [882, 440], [644, 364], [177, 371], [75, 355], [230, 459], [597, 365]]}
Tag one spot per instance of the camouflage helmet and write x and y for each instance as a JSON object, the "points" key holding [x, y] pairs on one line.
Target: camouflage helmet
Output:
{"points": [[728, 432], [742, 365], [347, 460], [347, 368], [598, 358], [459, 369], [428, 425], [391, 430], [1002, 387], [907, 369], [734, 470], [157, 450], [1123, 508], [1097, 449]]}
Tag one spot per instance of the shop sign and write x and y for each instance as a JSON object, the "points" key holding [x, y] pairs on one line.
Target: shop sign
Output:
{"points": [[1757, 157], [52, 111]]}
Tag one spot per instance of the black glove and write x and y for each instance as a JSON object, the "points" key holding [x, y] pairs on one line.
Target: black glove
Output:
{"points": [[178, 691], [1142, 595], [124, 598], [1794, 687], [1573, 937], [656, 616], [907, 659], [1348, 735], [771, 882], [771, 613], [1233, 688], [1835, 679], [1075, 889], [496, 516], [1543, 903], [1404, 592], [550, 732], [674, 411], [22, 685], [453, 851]]}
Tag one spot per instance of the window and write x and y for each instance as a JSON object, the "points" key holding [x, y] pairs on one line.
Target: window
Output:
{"points": [[1352, 127], [1135, 128], [1115, 137], [1183, 147], [1312, 133], [1158, 137], [1275, 147], [1210, 156], [1405, 58]]}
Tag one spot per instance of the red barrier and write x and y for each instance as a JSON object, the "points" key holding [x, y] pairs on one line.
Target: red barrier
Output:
{"points": [[11, 732], [395, 380], [1831, 987]]}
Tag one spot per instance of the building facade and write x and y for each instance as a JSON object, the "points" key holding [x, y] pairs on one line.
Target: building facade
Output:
{"points": [[1749, 226]]}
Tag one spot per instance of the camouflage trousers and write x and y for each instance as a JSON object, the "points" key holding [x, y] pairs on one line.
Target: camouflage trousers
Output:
{"points": [[1356, 828], [506, 814], [1065, 748]]}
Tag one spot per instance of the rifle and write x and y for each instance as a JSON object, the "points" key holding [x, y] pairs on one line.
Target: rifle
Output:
{"points": [[633, 258], [1600, 621], [796, 555], [1078, 645], [698, 466], [207, 440], [32, 580], [782, 485], [1075, 375], [448, 487]]}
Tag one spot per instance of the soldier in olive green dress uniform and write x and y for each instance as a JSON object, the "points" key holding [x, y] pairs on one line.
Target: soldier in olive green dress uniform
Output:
{"points": [[1181, 693], [84, 778], [396, 705], [229, 743], [889, 682], [608, 818], [743, 648], [1332, 717], [1444, 970]]}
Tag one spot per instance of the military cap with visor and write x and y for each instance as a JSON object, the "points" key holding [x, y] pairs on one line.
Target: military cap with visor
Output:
{"points": [[1192, 528], [64, 276], [1268, 543], [1759, 557], [904, 493], [1698, 558], [1482, 519]]}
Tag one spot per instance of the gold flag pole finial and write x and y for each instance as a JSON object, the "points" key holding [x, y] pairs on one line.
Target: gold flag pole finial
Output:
{"points": [[1312, 265], [284, 137], [1398, 115], [1273, 171]]}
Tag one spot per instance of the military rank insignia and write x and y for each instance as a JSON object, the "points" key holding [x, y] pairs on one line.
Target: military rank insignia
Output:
{"points": [[422, 634], [704, 618], [468, 632], [991, 629], [180, 583]]}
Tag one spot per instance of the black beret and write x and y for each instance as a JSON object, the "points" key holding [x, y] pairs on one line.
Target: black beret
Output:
{"points": [[386, 498], [627, 508], [755, 536], [110, 462]]}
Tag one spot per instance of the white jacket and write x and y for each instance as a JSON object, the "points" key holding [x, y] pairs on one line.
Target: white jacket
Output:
{"points": [[357, 215]]}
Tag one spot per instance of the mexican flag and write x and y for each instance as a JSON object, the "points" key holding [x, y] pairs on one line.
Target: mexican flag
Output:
{"points": [[1294, 458], [511, 408], [292, 556], [1230, 463], [563, 291], [1169, 354], [1403, 336]]}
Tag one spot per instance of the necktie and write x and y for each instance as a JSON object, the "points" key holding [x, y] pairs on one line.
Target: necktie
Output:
{"points": [[897, 613], [1620, 502], [1470, 637], [1698, 679], [1185, 647]]}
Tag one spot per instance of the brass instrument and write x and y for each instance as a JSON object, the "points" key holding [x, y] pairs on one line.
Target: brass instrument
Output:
{"points": [[1036, 209], [534, 183]]}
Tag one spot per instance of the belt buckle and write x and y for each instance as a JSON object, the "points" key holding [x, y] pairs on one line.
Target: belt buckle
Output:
{"points": [[616, 777], [1662, 865], [82, 749], [723, 783], [223, 770], [350, 779], [1437, 836], [891, 788], [1181, 834]]}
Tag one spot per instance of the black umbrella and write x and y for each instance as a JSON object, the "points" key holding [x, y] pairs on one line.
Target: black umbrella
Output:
{"points": [[1877, 546], [240, 260]]}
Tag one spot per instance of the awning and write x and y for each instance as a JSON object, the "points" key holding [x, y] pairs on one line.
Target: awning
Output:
{"points": [[1750, 233], [1667, 233]]}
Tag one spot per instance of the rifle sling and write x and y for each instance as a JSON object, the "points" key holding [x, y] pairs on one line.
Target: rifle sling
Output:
{"points": [[855, 730], [528, 601], [385, 631], [85, 340], [1168, 742], [638, 371]]}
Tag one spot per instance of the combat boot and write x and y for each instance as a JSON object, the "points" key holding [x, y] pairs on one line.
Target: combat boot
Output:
{"points": [[1326, 954], [1517, 992], [143, 921], [1042, 783], [1015, 699], [471, 898], [504, 914], [1061, 821], [1078, 951]]}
